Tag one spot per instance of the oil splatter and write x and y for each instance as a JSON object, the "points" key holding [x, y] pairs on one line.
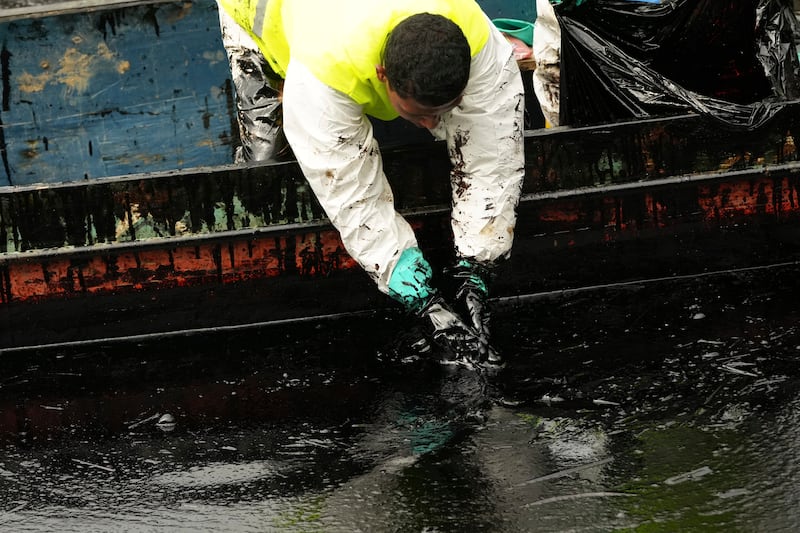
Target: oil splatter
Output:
{"points": [[5, 74]]}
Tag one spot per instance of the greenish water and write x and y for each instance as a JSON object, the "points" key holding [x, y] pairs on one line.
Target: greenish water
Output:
{"points": [[667, 406]]}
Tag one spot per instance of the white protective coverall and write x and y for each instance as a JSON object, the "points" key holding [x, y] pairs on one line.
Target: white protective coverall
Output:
{"points": [[547, 51], [330, 135]]}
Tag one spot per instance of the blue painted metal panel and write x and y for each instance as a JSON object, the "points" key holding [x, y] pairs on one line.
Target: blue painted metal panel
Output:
{"points": [[106, 93]]}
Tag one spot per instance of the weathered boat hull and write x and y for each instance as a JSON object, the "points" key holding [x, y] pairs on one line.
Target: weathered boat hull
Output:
{"points": [[239, 246], [165, 244]]}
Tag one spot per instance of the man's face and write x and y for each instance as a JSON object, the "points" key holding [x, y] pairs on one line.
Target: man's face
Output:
{"points": [[421, 115]]}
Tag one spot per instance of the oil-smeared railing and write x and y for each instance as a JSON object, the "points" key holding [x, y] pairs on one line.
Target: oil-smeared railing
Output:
{"points": [[237, 245]]}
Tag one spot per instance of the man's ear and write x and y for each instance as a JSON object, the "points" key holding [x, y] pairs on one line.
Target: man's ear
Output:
{"points": [[380, 70]]}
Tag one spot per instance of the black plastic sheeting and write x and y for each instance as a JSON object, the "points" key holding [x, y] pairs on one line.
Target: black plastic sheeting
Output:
{"points": [[733, 60]]}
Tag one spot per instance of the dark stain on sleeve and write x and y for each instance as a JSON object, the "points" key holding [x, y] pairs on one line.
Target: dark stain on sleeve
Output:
{"points": [[458, 178]]}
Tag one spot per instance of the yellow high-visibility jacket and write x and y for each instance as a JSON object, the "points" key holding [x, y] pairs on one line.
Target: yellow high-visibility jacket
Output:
{"points": [[341, 41]]}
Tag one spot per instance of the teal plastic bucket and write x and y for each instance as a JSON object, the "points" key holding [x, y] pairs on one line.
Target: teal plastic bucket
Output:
{"points": [[521, 29]]}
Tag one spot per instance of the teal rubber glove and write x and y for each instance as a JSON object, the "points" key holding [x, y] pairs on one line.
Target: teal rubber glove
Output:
{"points": [[410, 280]]}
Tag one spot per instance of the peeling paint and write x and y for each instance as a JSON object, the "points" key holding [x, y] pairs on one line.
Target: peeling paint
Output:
{"points": [[77, 69], [33, 83]]}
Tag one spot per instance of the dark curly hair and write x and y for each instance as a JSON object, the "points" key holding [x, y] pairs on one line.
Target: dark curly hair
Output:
{"points": [[427, 58]]}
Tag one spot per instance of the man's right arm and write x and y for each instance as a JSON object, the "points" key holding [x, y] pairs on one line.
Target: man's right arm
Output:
{"points": [[334, 145]]}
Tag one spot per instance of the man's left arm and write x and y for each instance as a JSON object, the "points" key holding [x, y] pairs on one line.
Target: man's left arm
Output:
{"points": [[485, 141]]}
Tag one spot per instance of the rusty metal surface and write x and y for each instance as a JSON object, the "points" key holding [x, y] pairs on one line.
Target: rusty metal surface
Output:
{"points": [[619, 179]]}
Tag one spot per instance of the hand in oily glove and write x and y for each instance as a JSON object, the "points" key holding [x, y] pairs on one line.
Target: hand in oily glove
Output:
{"points": [[410, 285], [459, 342], [472, 294]]}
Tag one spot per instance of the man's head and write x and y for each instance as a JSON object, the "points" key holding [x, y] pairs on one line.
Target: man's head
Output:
{"points": [[426, 67]]}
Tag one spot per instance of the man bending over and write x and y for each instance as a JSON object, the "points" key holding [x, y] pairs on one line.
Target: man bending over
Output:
{"points": [[440, 64]]}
